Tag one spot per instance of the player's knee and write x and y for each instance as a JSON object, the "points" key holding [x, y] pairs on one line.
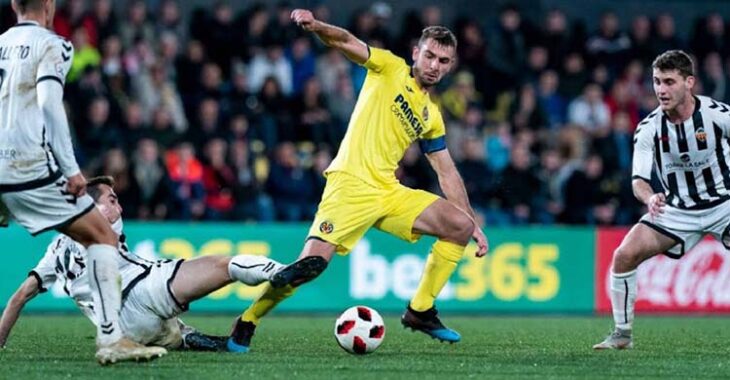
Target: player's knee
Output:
{"points": [[624, 260], [461, 229]]}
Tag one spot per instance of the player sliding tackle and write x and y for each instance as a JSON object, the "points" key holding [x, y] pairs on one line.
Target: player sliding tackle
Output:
{"points": [[155, 292], [393, 110], [686, 140]]}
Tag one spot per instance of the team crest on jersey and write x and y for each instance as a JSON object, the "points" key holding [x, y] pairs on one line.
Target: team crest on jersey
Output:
{"points": [[685, 158], [326, 227], [425, 113], [701, 135]]}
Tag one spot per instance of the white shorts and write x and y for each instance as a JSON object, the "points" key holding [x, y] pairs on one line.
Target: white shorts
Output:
{"points": [[149, 309], [43, 208], [688, 227]]}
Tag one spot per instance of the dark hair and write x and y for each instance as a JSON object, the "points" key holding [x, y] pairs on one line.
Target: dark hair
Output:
{"points": [[92, 186], [22, 6], [441, 34], [675, 60]]}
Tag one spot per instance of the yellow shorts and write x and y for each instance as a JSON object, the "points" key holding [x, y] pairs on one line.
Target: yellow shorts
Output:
{"points": [[350, 206]]}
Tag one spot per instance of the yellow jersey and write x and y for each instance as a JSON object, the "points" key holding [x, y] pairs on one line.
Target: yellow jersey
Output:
{"points": [[391, 113]]}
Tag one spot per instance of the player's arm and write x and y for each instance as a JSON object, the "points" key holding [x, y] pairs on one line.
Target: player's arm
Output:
{"points": [[55, 63], [641, 171], [453, 187], [333, 36], [26, 292]]}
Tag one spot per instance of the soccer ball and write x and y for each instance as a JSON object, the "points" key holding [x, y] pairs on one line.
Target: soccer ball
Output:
{"points": [[359, 330]]}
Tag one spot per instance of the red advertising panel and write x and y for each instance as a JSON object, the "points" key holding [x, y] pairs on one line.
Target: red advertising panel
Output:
{"points": [[698, 282]]}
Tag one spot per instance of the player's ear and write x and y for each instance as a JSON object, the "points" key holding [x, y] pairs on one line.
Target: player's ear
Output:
{"points": [[691, 80], [416, 51]]}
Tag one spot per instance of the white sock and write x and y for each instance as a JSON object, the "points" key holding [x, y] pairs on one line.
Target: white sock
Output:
{"points": [[104, 283], [623, 298], [252, 269]]}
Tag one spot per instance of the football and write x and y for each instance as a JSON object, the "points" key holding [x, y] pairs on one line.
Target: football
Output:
{"points": [[359, 330]]}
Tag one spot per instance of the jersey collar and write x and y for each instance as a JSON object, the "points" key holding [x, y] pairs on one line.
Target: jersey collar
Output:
{"points": [[27, 23]]}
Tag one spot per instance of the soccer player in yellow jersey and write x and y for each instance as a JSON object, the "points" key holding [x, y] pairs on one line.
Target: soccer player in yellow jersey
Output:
{"points": [[393, 110]]}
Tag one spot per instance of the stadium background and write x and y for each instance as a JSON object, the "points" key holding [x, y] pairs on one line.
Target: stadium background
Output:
{"points": [[216, 121]]}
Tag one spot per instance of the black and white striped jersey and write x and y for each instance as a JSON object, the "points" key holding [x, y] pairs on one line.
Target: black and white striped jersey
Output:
{"points": [[691, 158], [32, 145], [64, 265]]}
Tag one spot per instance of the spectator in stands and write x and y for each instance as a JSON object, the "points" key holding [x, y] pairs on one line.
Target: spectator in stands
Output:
{"points": [[459, 95], [574, 76], [714, 79], [302, 59], [640, 36], [208, 126], [85, 55], [116, 165], [137, 25], [609, 46], [550, 100], [151, 177], [153, 90], [290, 186], [170, 21], [313, 121], [219, 180], [469, 127], [99, 132], [105, 22], [526, 112], [666, 37], [589, 111], [186, 183], [479, 180], [251, 201], [270, 63], [587, 195], [507, 43], [517, 185]]}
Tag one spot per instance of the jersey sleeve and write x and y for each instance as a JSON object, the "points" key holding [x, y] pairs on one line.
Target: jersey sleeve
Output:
{"points": [[382, 61], [55, 62], [435, 139], [45, 270], [643, 153]]}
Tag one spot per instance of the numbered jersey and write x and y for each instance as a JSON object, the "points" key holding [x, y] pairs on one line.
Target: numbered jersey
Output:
{"points": [[65, 262], [28, 54]]}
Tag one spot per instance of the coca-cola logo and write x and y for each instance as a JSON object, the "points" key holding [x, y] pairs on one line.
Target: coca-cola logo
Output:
{"points": [[698, 281]]}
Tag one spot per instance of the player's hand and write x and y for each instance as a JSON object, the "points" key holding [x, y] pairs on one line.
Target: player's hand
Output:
{"points": [[76, 185], [304, 18], [482, 243], [656, 204]]}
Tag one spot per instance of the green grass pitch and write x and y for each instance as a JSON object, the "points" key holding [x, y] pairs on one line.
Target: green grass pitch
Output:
{"points": [[303, 347]]}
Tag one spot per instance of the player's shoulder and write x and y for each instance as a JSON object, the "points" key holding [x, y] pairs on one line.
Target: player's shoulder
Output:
{"points": [[712, 107], [61, 243], [653, 118]]}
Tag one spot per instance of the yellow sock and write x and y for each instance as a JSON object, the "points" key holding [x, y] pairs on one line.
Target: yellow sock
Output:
{"points": [[266, 302], [440, 264]]}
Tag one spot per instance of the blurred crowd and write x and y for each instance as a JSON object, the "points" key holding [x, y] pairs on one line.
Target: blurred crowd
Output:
{"points": [[226, 115]]}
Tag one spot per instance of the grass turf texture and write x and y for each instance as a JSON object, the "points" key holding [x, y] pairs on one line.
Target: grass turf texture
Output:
{"points": [[303, 347]]}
